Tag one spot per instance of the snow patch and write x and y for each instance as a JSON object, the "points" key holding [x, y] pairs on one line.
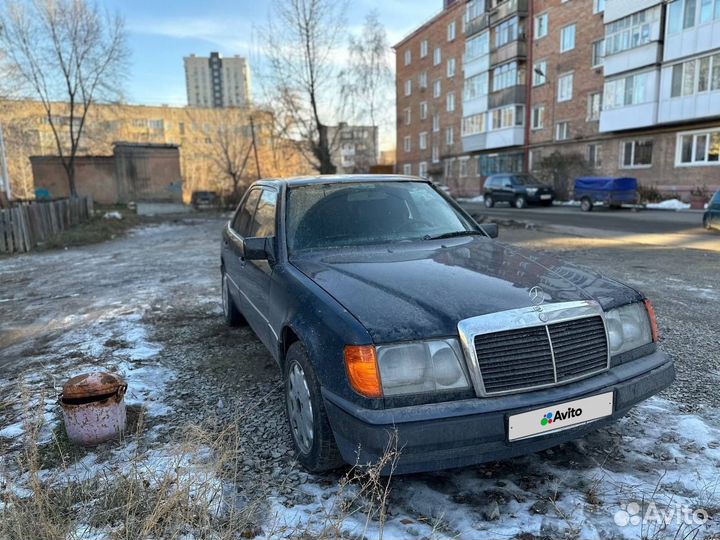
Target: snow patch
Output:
{"points": [[477, 199], [670, 204]]}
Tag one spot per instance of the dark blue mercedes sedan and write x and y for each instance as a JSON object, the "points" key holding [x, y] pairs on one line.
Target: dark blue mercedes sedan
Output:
{"points": [[395, 317]]}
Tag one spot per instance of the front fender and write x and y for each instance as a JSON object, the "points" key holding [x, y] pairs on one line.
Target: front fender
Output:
{"points": [[323, 325]]}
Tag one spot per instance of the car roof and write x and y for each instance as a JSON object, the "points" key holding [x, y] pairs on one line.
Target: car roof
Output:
{"points": [[340, 179]]}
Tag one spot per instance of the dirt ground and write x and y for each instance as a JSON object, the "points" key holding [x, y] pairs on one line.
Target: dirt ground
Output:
{"points": [[147, 306]]}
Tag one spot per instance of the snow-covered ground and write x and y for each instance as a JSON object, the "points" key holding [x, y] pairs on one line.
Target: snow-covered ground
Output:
{"points": [[670, 204], [146, 307]]}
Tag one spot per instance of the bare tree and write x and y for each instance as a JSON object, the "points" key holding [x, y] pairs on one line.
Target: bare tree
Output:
{"points": [[230, 151], [68, 55], [367, 80], [299, 42]]}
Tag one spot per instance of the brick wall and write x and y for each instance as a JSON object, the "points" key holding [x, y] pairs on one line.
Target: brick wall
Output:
{"points": [[93, 177], [435, 32]]}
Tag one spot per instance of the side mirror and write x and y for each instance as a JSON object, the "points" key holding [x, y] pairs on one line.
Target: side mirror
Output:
{"points": [[259, 249], [491, 229]]}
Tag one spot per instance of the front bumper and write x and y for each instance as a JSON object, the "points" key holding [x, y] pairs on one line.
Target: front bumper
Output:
{"points": [[459, 433]]}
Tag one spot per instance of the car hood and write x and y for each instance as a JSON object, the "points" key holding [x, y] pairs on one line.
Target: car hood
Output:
{"points": [[423, 289]]}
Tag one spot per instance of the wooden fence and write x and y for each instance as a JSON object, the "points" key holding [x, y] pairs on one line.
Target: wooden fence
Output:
{"points": [[25, 225]]}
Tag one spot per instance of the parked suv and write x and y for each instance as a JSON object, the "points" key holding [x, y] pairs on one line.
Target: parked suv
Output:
{"points": [[517, 189]]}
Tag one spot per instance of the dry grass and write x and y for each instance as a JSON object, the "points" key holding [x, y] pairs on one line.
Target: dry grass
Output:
{"points": [[189, 488]]}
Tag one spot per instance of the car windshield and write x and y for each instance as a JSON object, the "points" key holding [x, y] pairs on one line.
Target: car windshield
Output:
{"points": [[355, 214]]}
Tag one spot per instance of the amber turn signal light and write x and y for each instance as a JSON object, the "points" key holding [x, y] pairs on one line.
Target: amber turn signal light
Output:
{"points": [[653, 321], [362, 369]]}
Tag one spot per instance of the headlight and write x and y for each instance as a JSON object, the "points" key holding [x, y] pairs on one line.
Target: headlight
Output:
{"points": [[531, 191], [421, 366], [628, 328]]}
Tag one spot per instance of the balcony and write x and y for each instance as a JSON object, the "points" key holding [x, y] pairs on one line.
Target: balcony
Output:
{"points": [[507, 96], [508, 9], [514, 49], [477, 25]]}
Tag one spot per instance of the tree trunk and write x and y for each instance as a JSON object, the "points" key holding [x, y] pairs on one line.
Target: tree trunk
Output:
{"points": [[326, 164], [70, 172]]}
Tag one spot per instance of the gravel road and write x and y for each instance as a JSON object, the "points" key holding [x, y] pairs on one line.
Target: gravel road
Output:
{"points": [[147, 305]]}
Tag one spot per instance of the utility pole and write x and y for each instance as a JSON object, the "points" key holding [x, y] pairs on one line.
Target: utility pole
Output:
{"points": [[254, 144], [4, 176]]}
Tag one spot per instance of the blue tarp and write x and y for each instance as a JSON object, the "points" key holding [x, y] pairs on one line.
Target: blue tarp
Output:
{"points": [[606, 184]]}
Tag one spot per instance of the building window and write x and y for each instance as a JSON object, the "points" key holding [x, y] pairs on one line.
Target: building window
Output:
{"points": [[565, 87], [539, 72], [451, 31], [594, 106], [408, 57], [451, 102], [535, 158], [507, 75], [507, 117], [408, 87], [472, 125], [437, 56], [408, 116], [437, 88], [598, 53], [631, 31], [407, 169], [407, 143], [598, 6], [636, 154], [422, 169], [435, 153], [477, 46], [631, 90], [538, 117], [698, 148], [541, 26], [422, 142], [696, 76], [449, 167], [463, 162], [423, 110], [562, 131], [451, 67], [423, 79], [567, 38], [450, 136], [423, 48], [436, 122], [474, 9], [499, 163], [682, 14], [476, 86], [506, 31], [594, 155]]}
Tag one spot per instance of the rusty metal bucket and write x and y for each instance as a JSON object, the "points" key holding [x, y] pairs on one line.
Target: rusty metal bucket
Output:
{"points": [[93, 407]]}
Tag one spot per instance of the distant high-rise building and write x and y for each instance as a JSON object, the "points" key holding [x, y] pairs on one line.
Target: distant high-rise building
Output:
{"points": [[217, 82]]}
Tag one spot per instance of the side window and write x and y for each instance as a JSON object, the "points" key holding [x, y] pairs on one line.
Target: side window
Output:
{"points": [[241, 223], [264, 220], [715, 202]]}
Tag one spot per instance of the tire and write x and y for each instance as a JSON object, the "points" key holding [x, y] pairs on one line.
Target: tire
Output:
{"points": [[231, 313], [706, 223], [586, 204], [489, 202], [316, 450], [520, 202]]}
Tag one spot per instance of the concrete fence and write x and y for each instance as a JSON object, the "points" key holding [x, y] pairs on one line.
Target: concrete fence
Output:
{"points": [[25, 225]]}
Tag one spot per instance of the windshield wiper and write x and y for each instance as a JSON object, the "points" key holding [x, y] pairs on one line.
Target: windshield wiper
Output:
{"points": [[454, 234]]}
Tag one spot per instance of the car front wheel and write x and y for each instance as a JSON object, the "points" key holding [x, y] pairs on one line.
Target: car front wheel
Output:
{"points": [[312, 435], [520, 202], [489, 202], [706, 223]]}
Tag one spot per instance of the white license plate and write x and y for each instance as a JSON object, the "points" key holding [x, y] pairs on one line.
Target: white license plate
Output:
{"points": [[560, 416], [546, 197]]}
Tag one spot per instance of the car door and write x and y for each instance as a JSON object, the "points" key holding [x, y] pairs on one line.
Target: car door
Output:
{"points": [[504, 189], [255, 286], [714, 210], [233, 252]]}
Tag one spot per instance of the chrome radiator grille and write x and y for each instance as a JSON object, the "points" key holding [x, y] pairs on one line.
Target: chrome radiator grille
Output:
{"points": [[571, 345]]}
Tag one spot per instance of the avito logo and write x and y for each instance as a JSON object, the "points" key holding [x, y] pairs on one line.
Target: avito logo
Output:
{"points": [[551, 417]]}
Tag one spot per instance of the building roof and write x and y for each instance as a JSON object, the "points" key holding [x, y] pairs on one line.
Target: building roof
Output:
{"points": [[144, 145], [426, 24]]}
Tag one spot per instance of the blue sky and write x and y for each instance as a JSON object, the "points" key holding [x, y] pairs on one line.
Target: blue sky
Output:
{"points": [[161, 32]]}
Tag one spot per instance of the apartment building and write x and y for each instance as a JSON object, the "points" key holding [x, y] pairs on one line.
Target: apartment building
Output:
{"points": [[215, 81], [429, 96], [617, 88], [354, 149], [201, 133]]}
